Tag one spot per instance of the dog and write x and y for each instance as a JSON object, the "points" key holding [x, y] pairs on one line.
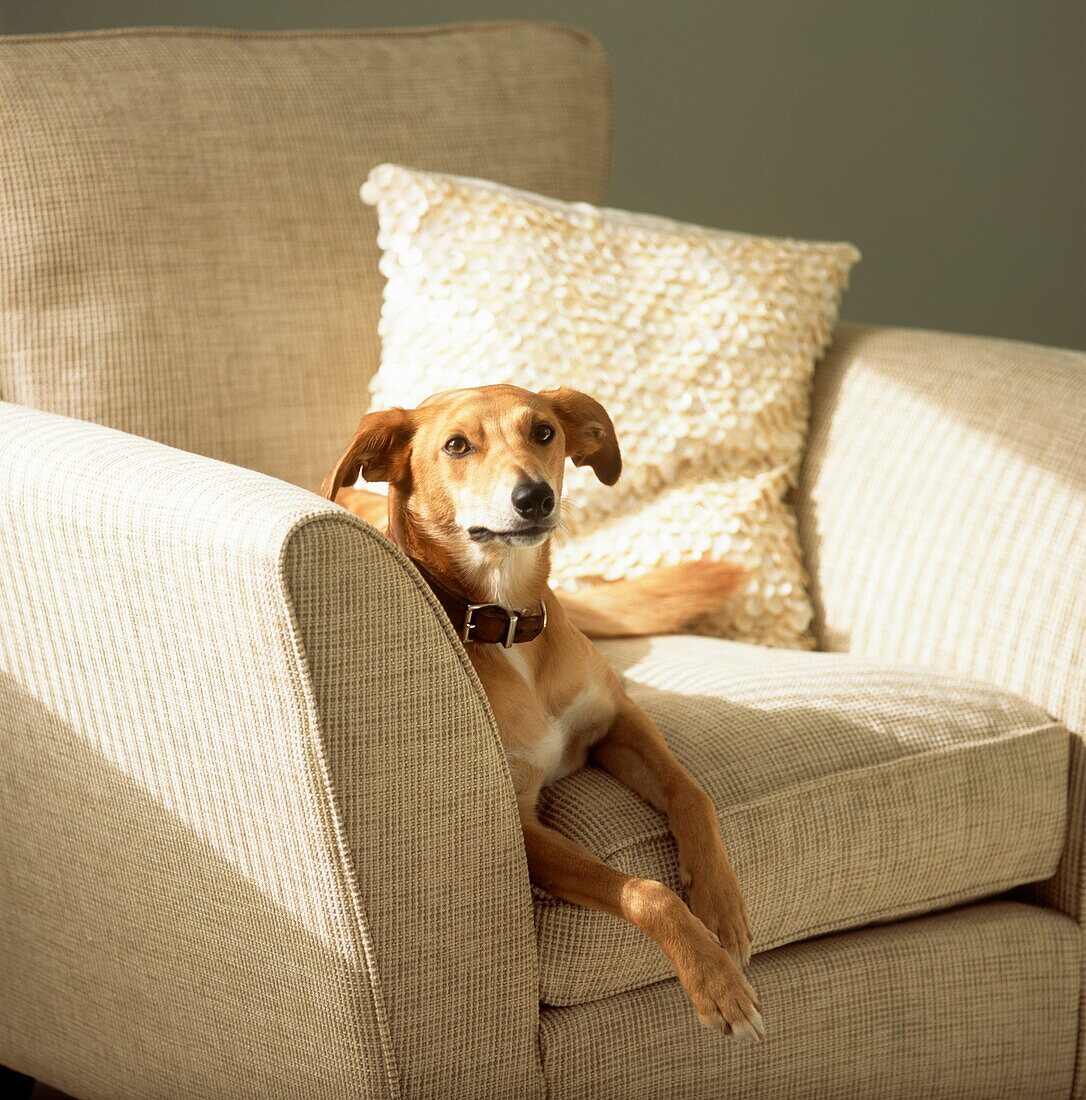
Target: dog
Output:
{"points": [[474, 497]]}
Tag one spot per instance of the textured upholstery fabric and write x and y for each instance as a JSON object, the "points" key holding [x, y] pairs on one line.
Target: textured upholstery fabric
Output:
{"points": [[969, 1005], [942, 509], [251, 843], [700, 343], [848, 791], [257, 836], [183, 254]]}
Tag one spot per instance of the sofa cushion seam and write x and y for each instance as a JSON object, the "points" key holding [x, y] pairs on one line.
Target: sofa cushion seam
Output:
{"points": [[287, 34]]}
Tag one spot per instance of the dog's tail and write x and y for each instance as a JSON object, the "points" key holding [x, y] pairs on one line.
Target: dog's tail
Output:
{"points": [[660, 602], [372, 507]]}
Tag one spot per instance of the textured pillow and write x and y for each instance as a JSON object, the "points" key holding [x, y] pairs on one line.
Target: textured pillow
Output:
{"points": [[701, 345]]}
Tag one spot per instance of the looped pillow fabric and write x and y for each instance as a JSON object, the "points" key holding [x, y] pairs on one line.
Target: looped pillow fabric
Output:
{"points": [[701, 344]]}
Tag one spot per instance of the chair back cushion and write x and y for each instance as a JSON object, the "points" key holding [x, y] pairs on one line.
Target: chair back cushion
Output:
{"points": [[183, 252]]}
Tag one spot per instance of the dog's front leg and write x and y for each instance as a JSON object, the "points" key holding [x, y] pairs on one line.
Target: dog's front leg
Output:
{"points": [[721, 994], [635, 752]]}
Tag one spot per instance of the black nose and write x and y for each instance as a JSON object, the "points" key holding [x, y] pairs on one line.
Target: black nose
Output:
{"points": [[533, 499]]}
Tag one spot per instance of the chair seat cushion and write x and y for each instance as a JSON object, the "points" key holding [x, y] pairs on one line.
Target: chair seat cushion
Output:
{"points": [[848, 792]]}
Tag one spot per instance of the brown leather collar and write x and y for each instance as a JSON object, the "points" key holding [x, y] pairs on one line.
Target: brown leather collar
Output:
{"points": [[485, 622]]}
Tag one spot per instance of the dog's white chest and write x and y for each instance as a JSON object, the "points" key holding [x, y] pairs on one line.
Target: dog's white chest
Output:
{"points": [[591, 706], [548, 752]]}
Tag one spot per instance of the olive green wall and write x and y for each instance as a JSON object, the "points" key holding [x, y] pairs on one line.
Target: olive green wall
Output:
{"points": [[946, 138]]}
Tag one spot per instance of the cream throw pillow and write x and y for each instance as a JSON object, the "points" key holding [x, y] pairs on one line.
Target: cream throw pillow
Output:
{"points": [[700, 344]]}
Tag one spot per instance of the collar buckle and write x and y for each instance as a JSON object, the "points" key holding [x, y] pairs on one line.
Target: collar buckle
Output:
{"points": [[469, 620]]}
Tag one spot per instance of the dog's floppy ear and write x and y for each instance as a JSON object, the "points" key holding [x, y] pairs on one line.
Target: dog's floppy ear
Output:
{"points": [[380, 450], [590, 435]]}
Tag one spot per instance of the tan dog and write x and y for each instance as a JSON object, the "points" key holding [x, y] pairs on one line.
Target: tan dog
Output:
{"points": [[475, 483]]}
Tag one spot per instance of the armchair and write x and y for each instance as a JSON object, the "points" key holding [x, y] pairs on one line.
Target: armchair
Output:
{"points": [[257, 836]]}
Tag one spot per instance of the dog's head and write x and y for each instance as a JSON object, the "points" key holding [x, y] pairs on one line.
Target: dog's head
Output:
{"points": [[487, 462]]}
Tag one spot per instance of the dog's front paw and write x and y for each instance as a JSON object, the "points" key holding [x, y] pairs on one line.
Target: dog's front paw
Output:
{"points": [[721, 995], [717, 901]]}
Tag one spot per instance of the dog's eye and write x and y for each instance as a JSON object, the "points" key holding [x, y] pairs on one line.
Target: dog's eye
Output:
{"points": [[542, 433], [457, 445]]}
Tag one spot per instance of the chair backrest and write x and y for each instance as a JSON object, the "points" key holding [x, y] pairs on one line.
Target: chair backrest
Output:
{"points": [[183, 252]]}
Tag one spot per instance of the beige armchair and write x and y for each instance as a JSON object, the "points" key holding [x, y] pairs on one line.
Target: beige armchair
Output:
{"points": [[257, 836]]}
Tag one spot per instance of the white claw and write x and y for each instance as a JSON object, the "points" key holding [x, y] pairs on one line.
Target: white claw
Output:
{"points": [[752, 1030]]}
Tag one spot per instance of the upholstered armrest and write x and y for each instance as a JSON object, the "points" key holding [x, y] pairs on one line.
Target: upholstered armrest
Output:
{"points": [[255, 824], [943, 512]]}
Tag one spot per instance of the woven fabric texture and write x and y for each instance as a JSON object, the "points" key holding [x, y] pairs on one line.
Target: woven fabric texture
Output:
{"points": [[700, 343], [847, 791], [250, 788], [942, 509], [182, 250], [969, 1005]]}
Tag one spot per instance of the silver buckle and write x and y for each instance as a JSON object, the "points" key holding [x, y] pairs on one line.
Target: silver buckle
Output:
{"points": [[469, 625], [514, 618]]}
